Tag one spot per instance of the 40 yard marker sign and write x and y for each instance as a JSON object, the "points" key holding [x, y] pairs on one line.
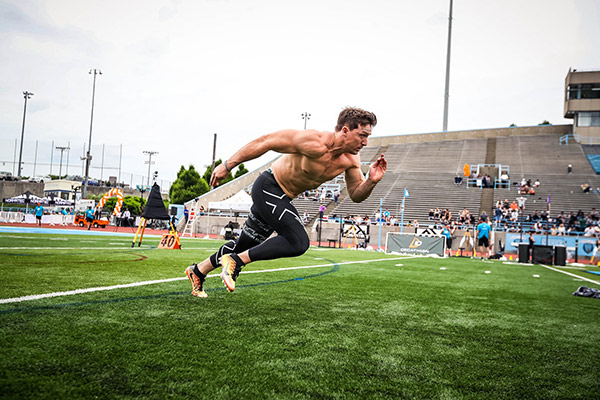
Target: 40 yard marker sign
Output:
{"points": [[169, 241]]}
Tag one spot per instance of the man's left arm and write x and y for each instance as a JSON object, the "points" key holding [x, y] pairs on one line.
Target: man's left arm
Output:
{"points": [[360, 188]]}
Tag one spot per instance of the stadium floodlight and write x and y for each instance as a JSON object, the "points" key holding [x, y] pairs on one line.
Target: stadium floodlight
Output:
{"points": [[27, 96], [305, 117], [62, 149], [88, 156], [149, 162]]}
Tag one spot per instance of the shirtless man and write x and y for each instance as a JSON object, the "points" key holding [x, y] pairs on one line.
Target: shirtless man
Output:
{"points": [[310, 158]]}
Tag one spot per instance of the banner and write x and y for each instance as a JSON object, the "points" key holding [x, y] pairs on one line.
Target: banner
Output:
{"points": [[408, 243], [585, 245]]}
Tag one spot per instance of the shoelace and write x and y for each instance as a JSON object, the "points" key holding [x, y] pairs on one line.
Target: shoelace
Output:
{"points": [[236, 272]]}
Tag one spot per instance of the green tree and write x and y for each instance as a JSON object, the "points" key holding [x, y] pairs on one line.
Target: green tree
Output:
{"points": [[545, 122], [188, 185], [241, 170], [134, 204]]}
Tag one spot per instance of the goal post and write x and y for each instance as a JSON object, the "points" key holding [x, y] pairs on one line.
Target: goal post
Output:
{"points": [[412, 244]]}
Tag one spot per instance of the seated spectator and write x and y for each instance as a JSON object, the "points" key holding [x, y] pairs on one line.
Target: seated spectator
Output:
{"points": [[585, 188], [458, 180], [431, 213], [553, 230], [504, 179], [531, 191], [535, 216], [498, 215], [537, 183], [514, 206], [561, 230]]}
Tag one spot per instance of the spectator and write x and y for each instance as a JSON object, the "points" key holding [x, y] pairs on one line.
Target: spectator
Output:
{"points": [[531, 244], [305, 217], [585, 188], [569, 169], [186, 214], [537, 183], [498, 215], [126, 217], [553, 230], [39, 212], [504, 179], [321, 211], [336, 196], [561, 230], [447, 232]]}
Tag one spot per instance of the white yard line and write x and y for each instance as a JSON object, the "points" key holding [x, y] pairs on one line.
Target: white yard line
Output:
{"points": [[128, 285], [570, 274]]}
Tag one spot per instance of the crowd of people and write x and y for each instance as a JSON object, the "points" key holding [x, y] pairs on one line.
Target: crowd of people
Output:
{"points": [[528, 187], [509, 216]]}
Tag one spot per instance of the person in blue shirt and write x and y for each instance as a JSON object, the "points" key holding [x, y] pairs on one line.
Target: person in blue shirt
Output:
{"points": [[64, 216], [89, 216], [39, 212], [483, 237], [447, 233]]}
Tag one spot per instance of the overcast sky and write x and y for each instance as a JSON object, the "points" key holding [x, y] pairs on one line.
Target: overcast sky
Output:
{"points": [[174, 72]]}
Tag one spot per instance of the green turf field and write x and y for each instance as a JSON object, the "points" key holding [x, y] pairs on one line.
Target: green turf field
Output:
{"points": [[361, 325]]}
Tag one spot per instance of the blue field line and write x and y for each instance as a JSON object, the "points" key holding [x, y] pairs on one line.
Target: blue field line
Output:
{"points": [[335, 268]]}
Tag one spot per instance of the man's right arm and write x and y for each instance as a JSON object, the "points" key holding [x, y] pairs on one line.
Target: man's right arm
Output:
{"points": [[285, 141]]}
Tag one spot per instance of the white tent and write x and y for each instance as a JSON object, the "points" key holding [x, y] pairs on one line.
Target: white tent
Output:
{"points": [[239, 202]]}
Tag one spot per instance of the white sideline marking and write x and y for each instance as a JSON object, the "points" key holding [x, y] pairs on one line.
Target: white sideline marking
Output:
{"points": [[570, 274], [128, 285]]}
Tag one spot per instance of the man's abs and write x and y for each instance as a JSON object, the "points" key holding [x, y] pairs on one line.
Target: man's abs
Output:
{"points": [[296, 173]]}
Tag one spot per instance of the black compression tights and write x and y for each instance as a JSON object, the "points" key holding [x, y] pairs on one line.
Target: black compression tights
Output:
{"points": [[271, 210]]}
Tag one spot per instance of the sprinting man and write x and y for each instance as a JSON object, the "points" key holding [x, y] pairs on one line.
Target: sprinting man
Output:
{"points": [[483, 237], [310, 158]]}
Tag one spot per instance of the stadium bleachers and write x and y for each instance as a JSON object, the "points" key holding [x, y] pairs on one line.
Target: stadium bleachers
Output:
{"points": [[427, 171], [541, 157]]}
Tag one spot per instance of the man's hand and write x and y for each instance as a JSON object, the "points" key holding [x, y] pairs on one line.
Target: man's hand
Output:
{"points": [[377, 169], [218, 175]]}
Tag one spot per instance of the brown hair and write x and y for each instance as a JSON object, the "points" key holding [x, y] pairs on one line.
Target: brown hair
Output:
{"points": [[353, 117]]}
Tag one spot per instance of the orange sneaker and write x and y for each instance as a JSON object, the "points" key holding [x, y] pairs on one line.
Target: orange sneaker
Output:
{"points": [[230, 271], [196, 282]]}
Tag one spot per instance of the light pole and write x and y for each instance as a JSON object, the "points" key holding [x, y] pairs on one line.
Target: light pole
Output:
{"points": [[447, 88], [305, 117], [149, 162], [62, 149], [27, 96], [88, 156]]}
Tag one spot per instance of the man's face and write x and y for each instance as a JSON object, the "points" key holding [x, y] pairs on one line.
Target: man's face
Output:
{"points": [[357, 138]]}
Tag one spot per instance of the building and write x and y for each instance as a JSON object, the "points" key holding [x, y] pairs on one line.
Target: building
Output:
{"points": [[582, 104]]}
